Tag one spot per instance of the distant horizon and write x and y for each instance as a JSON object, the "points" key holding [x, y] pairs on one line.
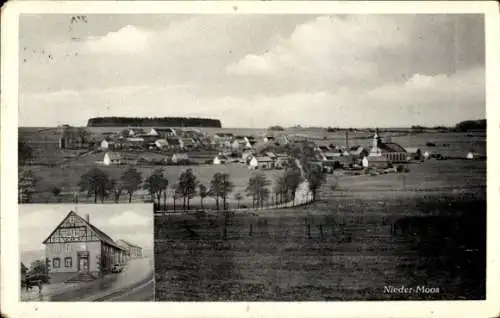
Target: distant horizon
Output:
{"points": [[285, 127]]}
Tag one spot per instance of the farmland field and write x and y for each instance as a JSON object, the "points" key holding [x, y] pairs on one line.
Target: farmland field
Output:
{"points": [[423, 228], [426, 227]]}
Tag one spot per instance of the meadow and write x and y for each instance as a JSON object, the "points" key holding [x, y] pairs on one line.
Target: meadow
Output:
{"points": [[425, 227], [67, 177]]}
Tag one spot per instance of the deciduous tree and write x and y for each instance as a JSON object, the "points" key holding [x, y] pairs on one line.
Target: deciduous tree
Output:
{"points": [[203, 192], [96, 182], [187, 184], [131, 180], [156, 183]]}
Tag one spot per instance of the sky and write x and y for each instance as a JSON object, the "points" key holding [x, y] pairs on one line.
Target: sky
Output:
{"points": [[131, 222], [254, 71]]}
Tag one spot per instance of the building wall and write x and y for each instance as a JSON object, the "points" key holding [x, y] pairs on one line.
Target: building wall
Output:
{"points": [[111, 255], [135, 252], [396, 156], [64, 250]]}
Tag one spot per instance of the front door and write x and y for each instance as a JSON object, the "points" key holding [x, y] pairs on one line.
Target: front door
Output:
{"points": [[83, 265]]}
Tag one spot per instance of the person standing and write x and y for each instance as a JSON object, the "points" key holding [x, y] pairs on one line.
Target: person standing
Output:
{"points": [[40, 287]]}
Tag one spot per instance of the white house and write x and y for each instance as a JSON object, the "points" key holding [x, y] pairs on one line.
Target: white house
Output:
{"points": [[261, 163], [177, 157], [414, 153], [241, 144], [427, 155], [364, 162], [220, 159], [472, 155], [107, 144], [135, 131], [161, 144], [187, 143], [112, 158], [246, 156]]}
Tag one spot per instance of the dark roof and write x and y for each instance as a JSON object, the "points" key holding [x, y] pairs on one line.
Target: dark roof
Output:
{"points": [[391, 147], [137, 130], [101, 235], [188, 141], [263, 159], [165, 129], [173, 141]]}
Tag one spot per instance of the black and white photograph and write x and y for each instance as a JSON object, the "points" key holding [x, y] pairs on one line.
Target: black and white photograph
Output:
{"points": [[288, 157], [253, 152], [86, 252]]}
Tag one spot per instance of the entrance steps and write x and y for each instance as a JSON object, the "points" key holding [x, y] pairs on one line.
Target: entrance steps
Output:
{"points": [[82, 277]]}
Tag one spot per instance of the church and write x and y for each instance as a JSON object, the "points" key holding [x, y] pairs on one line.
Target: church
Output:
{"points": [[80, 251], [384, 153]]}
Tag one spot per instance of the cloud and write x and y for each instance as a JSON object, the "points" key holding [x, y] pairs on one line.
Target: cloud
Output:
{"points": [[422, 99], [129, 218], [127, 40], [328, 44]]}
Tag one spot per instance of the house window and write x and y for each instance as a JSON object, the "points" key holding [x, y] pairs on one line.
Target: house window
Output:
{"points": [[56, 262], [68, 262], [57, 248], [68, 248]]}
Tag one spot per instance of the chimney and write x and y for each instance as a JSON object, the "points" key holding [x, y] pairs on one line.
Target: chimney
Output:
{"points": [[87, 218]]}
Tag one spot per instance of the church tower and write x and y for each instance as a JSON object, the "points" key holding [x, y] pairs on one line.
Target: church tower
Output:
{"points": [[375, 144]]}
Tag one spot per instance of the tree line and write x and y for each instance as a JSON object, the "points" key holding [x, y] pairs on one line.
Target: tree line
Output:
{"points": [[153, 121], [100, 186]]}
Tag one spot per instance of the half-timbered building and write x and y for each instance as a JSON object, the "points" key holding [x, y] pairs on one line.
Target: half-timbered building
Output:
{"points": [[77, 246]]}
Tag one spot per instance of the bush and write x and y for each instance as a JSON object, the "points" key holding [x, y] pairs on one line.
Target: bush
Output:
{"points": [[400, 168]]}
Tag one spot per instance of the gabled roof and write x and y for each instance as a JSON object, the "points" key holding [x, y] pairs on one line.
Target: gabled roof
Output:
{"points": [[180, 155], [137, 130], [188, 141], [412, 149], [161, 142], [100, 234], [223, 134], [263, 159]]}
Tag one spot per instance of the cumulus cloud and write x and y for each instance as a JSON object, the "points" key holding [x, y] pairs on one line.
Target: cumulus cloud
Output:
{"points": [[328, 44], [129, 218], [127, 40], [254, 71]]}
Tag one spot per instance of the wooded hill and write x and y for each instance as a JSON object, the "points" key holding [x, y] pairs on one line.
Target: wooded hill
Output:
{"points": [[153, 122]]}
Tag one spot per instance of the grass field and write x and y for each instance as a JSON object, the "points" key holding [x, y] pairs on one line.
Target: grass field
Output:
{"points": [[67, 178], [352, 252]]}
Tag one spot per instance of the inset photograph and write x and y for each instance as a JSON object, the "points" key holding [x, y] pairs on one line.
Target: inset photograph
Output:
{"points": [[86, 252]]}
